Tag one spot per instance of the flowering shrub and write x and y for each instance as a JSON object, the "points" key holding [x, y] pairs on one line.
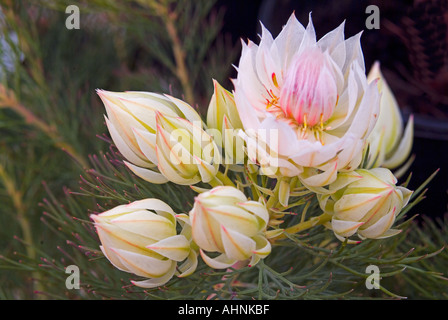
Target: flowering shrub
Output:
{"points": [[303, 123]]}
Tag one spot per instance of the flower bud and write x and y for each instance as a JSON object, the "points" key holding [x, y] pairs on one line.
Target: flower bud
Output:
{"points": [[389, 146], [223, 122], [186, 154], [223, 220], [131, 120], [141, 238], [222, 105], [365, 202]]}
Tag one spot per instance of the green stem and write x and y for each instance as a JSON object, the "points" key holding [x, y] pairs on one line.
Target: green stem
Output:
{"points": [[17, 200], [273, 200], [8, 99], [253, 177], [169, 19], [315, 221], [225, 179], [221, 179]]}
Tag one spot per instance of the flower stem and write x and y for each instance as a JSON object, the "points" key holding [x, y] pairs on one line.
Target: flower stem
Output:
{"points": [[181, 71], [315, 221], [8, 100], [253, 180], [17, 200], [224, 179], [273, 200], [221, 179]]}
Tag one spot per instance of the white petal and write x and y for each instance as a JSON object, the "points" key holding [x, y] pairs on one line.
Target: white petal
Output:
{"points": [[347, 101], [256, 208], [334, 43], [207, 171], [235, 218], [190, 265], [146, 224], [112, 236], [354, 53], [338, 54], [128, 150], [205, 230], [406, 195], [389, 233], [367, 114], [289, 39], [267, 61], [321, 179], [236, 245], [152, 204], [167, 169], [384, 176], [355, 206], [404, 148], [147, 144], [263, 248], [220, 262], [380, 227], [175, 248], [248, 80], [189, 113], [143, 265], [226, 191], [113, 259], [147, 174], [345, 228], [156, 282], [309, 37]]}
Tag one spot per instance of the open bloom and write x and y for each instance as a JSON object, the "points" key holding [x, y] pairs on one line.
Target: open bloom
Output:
{"points": [[365, 202], [141, 238], [305, 105], [389, 144], [132, 123], [223, 220]]}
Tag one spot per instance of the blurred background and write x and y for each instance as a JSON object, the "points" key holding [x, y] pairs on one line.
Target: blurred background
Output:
{"points": [[51, 120]]}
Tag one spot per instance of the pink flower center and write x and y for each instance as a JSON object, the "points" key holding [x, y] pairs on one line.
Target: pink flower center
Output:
{"points": [[309, 92]]}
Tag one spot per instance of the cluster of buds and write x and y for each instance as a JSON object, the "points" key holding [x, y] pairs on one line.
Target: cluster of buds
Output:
{"points": [[303, 115], [141, 237], [161, 137]]}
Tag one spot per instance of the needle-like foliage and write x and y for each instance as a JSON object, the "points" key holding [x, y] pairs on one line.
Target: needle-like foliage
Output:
{"points": [[57, 165]]}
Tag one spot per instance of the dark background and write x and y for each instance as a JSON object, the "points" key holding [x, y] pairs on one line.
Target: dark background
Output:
{"points": [[411, 46]]}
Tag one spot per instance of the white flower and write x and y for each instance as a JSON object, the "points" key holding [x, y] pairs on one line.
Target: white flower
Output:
{"points": [[305, 105], [223, 220], [364, 202], [132, 123], [141, 238]]}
